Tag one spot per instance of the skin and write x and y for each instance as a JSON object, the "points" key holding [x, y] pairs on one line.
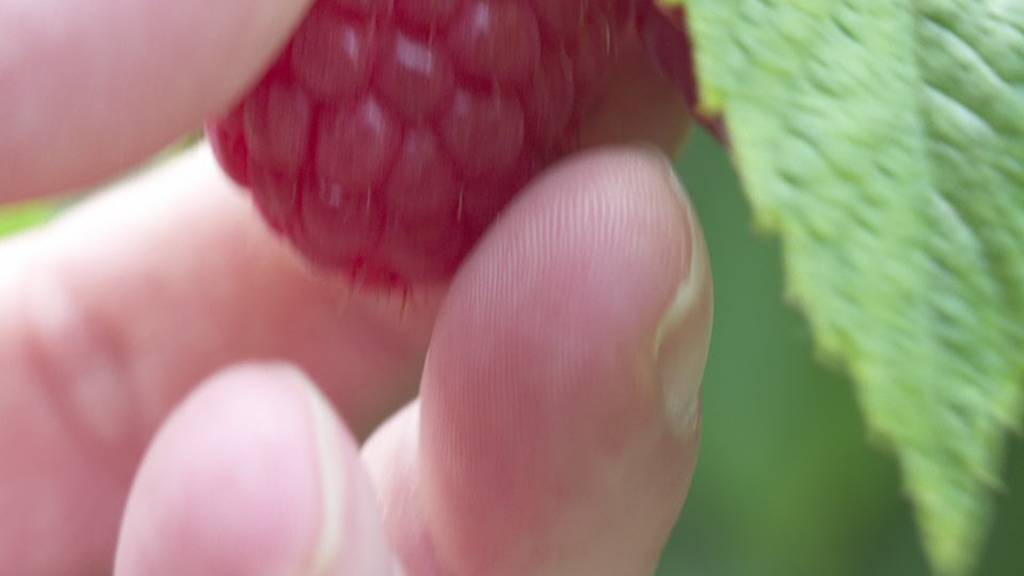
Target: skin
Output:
{"points": [[182, 395]]}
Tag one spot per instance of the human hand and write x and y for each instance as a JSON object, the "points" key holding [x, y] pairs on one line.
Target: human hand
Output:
{"points": [[150, 406]]}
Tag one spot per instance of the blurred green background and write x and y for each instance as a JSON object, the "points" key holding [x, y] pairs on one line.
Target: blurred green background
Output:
{"points": [[787, 483]]}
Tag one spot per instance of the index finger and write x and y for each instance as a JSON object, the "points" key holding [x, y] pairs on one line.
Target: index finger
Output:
{"points": [[87, 89]]}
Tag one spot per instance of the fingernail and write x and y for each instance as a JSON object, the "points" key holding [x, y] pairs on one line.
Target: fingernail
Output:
{"points": [[351, 539], [332, 482], [684, 331]]}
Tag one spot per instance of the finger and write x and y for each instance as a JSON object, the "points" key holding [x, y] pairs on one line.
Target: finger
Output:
{"points": [[90, 88], [253, 474], [169, 277], [558, 431], [392, 457], [112, 314], [559, 421]]}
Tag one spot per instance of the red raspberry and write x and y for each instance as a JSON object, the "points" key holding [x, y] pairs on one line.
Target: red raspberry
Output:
{"points": [[390, 133], [666, 33]]}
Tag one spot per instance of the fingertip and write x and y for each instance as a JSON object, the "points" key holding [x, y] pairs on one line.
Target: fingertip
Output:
{"points": [[91, 89], [229, 484], [542, 400], [612, 228], [251, 474], [392, 457]]}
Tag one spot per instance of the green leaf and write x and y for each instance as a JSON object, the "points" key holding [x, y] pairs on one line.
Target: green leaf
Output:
{"points": [[22, 217], [883, 140]]}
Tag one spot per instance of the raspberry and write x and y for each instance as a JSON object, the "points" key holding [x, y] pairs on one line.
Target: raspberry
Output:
{"points": [[390, 133], [665, 32]]}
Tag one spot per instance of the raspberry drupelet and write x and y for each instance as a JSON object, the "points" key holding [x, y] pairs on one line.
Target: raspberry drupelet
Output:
{"points": [[389, 134]]}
